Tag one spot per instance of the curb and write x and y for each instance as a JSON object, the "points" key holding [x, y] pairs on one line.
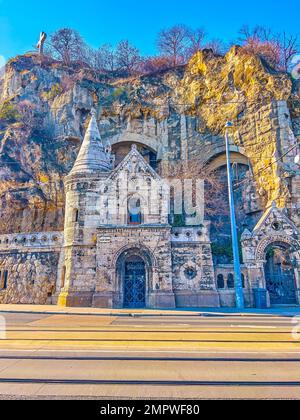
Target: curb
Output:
{"points": [[150, 315]]}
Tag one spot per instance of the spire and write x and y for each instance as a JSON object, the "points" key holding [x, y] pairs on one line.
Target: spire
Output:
{"points": [[93, 155]]}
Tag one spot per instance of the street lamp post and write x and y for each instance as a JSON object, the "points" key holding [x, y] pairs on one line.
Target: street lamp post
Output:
{"points": [[235, 244]]}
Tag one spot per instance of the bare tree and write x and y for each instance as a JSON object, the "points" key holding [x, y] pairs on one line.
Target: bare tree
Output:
{"points": [[104, 59], [213, 187], [155, 64], [275, 49], [68, 46], [258, 32], [128, 58], [174, 43], [217, 46], [289, 47], [196, 38]]}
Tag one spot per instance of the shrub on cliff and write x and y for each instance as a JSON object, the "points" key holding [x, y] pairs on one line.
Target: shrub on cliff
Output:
{"points": [[9, 113]]}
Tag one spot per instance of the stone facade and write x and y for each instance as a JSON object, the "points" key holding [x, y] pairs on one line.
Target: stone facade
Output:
{"points": [[111, 256]]}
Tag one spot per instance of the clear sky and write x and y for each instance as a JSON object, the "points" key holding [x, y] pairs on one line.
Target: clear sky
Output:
{"points": [[139, 21]]}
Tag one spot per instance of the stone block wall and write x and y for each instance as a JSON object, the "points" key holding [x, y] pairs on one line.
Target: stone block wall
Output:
{"points": [[193, 272], [227, 293], [31, 276], [31, 261]]}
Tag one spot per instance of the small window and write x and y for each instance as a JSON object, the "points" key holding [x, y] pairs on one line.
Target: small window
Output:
{"points": [[76, 215], [190, 273], [230, 281], [220, 281], [3, 280]]}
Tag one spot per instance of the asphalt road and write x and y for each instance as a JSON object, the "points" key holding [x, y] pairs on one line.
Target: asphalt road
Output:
{"points": [[149, 357]]}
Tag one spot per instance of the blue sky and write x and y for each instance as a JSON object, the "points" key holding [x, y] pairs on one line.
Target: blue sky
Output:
{"points": [[139, 21]]}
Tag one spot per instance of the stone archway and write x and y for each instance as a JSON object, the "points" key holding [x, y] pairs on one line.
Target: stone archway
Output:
{"points": [[279, 274], [279, 256], [121, 149], [134, 268], [264, 244]]}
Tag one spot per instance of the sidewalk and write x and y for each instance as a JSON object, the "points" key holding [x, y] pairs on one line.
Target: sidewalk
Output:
{"points": [[57, 310]]}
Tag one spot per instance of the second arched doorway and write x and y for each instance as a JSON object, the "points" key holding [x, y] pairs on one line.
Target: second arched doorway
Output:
{"points": [[280, 275]]}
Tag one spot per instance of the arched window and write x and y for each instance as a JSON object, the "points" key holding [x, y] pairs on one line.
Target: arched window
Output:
{"points": [[220, 281], [230, 281], [134, 211]]}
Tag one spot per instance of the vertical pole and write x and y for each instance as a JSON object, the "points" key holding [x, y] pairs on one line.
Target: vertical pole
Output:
{"points": [[235, 244]]}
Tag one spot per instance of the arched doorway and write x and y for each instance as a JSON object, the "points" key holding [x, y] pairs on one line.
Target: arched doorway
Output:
{"points": [[134, 282], [280, 276]]}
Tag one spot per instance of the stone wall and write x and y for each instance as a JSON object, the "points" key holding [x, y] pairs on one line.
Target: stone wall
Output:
{"points": [[193, 272], [32, 261], [31, 276], [227, 293]]}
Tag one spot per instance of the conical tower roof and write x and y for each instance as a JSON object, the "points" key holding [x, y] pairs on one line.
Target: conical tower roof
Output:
{"points": [[93, 155]]}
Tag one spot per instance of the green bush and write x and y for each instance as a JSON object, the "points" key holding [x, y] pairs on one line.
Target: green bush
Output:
{"points": [[222, 250], [55, 91], [225, 249], [9, 113]]}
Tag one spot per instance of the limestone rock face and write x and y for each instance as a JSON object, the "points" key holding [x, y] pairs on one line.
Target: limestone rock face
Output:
{"points": [[45, 107], [239, 88]]}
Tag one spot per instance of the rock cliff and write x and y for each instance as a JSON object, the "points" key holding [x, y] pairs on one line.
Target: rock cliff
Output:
{"points": [[44, 109]]}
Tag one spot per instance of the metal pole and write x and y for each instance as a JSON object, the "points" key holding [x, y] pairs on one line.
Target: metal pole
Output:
{"points": [[235, 244]]}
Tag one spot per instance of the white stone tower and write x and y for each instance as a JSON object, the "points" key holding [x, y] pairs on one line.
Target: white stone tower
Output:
{"points": [[83, 195]]}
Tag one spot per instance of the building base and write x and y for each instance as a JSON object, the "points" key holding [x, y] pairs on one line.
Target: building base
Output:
{"points": [[162, 300], [203, 299], [75, 299], [103, 300], [228, 298]]}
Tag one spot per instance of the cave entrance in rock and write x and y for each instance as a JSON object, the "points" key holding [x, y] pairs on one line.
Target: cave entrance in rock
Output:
{"points": [[121, 150], [280, 276], [218, 201]]}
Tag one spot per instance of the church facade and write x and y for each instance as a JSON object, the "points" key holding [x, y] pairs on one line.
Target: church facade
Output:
{"points": [[119, 250]]}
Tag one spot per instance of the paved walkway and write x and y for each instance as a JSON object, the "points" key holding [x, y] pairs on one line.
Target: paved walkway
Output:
{"points": [[53, 310], [182, 356]]}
